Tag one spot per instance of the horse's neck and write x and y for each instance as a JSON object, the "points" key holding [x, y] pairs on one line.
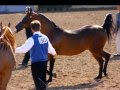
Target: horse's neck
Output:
{"points": [[56, 32], [49, 28], [10, 38]]}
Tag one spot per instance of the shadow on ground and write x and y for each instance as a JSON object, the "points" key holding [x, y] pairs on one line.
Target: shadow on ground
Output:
{"points": [[21, 67], [88, 85]]}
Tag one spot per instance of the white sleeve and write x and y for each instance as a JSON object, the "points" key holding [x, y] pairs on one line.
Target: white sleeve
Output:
{"points": [[26, 46], [51, 50]]}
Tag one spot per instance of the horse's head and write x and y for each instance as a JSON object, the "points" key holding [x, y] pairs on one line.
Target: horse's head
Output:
{"points": [[46, 24], [6, 33], [25, 22], [3, 30]]}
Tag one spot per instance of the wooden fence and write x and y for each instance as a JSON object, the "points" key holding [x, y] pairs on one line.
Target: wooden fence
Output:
{"points": [[54, 8]]}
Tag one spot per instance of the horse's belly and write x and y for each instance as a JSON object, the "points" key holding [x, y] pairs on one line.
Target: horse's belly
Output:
{"points": [[69, 51]]}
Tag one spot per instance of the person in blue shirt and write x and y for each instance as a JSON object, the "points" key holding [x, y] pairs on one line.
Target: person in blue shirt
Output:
{"points": [[39, 47]]}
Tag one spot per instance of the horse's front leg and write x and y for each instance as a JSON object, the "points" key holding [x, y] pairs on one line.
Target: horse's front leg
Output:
{"points": [[51, 67], [107, 57]]}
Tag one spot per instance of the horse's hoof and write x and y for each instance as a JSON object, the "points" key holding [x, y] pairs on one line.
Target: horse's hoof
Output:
{"points": [[98, 78], [105, 74], [107, 77]]}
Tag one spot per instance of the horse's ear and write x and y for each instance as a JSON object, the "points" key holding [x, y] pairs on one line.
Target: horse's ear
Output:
{"points": [[1, 26], [28, 10], [9, 24]]}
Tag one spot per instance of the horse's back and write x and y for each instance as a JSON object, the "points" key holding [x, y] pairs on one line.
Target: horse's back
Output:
{"points": [[87, 32]]}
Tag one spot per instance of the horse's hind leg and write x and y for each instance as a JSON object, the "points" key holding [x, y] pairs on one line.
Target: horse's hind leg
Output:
{"points": [[100, 62], [107, 57]]}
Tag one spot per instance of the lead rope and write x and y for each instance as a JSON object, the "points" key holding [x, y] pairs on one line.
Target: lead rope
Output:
{"points": [[44, 83]]}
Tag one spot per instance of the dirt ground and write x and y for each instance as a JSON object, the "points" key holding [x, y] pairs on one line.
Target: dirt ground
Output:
{"points": [[73, 72]]}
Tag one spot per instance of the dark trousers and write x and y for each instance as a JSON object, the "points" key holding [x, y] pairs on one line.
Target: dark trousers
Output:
{"points": [[39, 74], [26, 58]]}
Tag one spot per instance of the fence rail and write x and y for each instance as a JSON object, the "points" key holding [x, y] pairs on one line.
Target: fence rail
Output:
{"points": [[54, 8]]}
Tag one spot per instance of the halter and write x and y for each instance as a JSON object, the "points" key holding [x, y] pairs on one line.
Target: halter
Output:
{"points": [[28, 10]]}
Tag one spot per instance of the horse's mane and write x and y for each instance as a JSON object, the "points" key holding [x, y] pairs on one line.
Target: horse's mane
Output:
{"points": [[65, 30], [45, 17], [56, 27], [7, 39]]}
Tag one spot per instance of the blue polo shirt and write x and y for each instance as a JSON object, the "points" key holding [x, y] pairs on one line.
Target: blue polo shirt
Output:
{"points": [[39, 51]]}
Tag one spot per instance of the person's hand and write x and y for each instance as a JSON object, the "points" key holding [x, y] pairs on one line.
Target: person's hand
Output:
{"points": [[15, 31], [55, 56]]}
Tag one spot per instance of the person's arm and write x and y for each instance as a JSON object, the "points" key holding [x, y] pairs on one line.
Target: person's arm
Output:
{"points": [[51, 50], [26, 46]]}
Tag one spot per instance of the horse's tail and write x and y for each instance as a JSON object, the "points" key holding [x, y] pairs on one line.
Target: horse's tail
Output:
{"points": [[108, 26]]}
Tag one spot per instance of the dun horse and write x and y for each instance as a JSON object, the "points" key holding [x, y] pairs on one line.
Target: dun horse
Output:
{"points": [[7, 56], [92, 38]]}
